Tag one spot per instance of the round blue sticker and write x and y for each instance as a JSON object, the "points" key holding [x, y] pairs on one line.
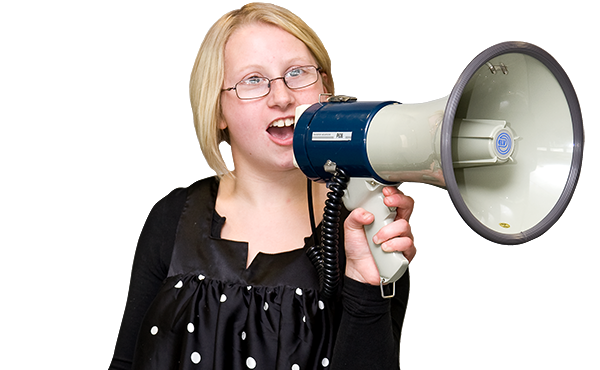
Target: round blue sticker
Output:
{"points": [[503, 143]]}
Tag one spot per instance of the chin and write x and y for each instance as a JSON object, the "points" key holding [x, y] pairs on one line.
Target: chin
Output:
{"points": [[288, 164]]}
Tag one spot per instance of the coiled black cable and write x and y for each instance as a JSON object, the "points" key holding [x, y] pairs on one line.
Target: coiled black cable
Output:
{"points": [[325, 257]]}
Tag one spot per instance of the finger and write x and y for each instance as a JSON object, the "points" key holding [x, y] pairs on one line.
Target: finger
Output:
{"points": [[404, 245], [407, 247], [399, 228], [396, 198]]}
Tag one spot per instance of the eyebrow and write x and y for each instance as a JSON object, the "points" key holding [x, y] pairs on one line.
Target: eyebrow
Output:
{"points": [[258, 68]]}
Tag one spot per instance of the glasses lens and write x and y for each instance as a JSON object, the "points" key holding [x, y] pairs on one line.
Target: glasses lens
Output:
{"points": [[300, 77], [295, 78], [251, 88]]}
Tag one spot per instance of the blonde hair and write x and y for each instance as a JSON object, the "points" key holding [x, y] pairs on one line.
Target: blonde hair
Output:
{"points": [[207, 75]]}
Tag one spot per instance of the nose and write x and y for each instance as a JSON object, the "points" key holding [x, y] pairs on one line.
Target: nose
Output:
{"points": [[281, 95]]}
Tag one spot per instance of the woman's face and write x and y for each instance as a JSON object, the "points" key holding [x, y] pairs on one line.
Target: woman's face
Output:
{"points": [[261, 130]]}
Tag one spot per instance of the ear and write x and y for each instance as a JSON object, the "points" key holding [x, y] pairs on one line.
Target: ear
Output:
{"points": [[325, 80], [223, 131]]}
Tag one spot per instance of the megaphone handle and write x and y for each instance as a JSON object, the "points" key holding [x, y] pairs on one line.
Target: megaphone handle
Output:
{"points": [[367, 194]]}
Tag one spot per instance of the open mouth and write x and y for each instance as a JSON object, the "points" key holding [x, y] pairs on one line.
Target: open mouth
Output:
{"points": [[282, 129]]}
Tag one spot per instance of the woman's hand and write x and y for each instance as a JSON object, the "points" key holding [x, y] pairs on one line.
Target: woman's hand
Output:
{"points": [[396, 236]]}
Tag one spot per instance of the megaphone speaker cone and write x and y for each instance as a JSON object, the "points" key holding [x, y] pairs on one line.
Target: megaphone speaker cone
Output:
{"points": [[513, 105]]}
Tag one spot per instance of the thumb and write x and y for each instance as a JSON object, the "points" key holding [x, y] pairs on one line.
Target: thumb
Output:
{"points": [[354, 232], [360, 265], [357, 219]]}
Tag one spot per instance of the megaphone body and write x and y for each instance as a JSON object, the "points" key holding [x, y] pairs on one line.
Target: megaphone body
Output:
{"points": [[507, 144]]}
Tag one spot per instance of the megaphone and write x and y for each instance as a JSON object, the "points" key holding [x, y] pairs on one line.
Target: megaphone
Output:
{"points": [[507, 145]]}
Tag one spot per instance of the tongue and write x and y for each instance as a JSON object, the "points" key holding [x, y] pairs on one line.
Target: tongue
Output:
{"points": [[281, 133]]}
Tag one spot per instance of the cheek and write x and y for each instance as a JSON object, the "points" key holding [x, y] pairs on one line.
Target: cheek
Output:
{"points": [[231, 112], [311, 95], [240, 119], [225, 112]]}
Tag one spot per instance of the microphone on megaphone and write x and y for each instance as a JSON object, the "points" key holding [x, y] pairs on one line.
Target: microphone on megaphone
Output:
{"points": [[507, 145]]}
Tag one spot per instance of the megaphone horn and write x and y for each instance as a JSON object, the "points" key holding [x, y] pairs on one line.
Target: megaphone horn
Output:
{"points": [[507, 144], [536, 96]]}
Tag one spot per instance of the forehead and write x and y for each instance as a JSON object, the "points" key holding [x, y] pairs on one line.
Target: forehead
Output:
{"points": [[263, 46]]}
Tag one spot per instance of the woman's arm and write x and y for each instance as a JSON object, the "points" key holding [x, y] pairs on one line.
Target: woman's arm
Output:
{"points": [[370, 327], [150, 268]]}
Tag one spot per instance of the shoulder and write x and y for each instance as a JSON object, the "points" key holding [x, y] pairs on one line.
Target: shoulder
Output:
{"points": [[207, 186], [157, 238], [173, 203], [164, 216]]}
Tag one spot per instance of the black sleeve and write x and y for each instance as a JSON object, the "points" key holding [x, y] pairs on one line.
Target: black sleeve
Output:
{"points": [[150, 268], [370, 326]]}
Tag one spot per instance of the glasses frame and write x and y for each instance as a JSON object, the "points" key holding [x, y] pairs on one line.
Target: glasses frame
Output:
{"points": [[234, 87]]}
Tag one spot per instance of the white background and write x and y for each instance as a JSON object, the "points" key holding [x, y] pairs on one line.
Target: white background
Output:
{"points": [[96, 127]]}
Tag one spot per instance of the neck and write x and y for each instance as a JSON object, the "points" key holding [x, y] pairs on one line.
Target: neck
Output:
{"points": [[265, 190]]}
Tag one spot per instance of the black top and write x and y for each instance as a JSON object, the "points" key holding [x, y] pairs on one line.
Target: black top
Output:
{"points": [[195, 305]]}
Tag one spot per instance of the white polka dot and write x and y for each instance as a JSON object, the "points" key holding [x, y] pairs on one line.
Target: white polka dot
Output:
{"points": [[303, 318], [195, 357], [321, 305], [154, 330], [249, 287], [179, 284], [243, 335], [325, 362], [299, 291], [223, 297], [190, 327], [201, 277], [295, 367], [250, 363], [266, 306]]}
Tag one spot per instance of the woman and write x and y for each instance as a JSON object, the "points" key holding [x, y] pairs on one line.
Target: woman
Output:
{"points": [[221, 279]]}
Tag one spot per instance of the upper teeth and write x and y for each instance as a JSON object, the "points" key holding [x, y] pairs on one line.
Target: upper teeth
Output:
{"points": [[283, 122]]}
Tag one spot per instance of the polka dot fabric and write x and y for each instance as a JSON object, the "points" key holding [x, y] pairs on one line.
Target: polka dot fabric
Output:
{"points": [[214, 312], [230, 326]]}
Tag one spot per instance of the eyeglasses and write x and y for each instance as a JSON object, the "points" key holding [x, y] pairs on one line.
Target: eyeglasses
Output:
{"points": [[256, 87]]}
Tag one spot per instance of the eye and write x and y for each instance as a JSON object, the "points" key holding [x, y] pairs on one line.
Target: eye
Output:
{"points": [[254, 80], [296, 72]]}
